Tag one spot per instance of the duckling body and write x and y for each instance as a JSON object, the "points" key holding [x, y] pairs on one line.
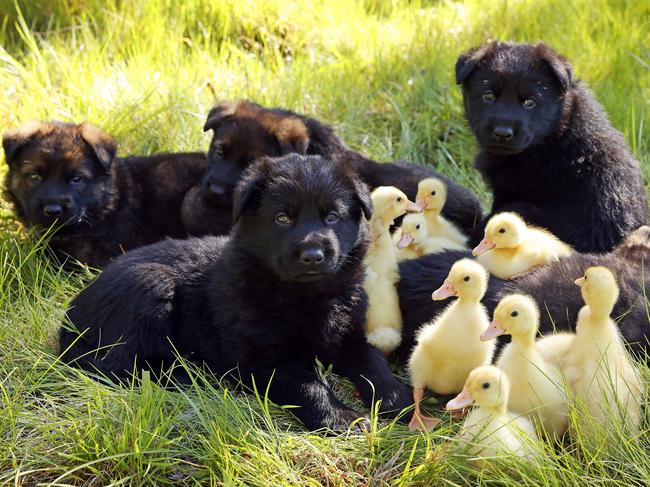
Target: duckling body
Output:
{"points": [[383, 325], [599, 369], [431, 197], [556, 348], [511, 247], [491, 430], [449, 348], [415, 241], [536, 385]]}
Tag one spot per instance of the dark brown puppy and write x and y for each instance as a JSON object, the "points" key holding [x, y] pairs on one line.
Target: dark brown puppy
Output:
{"points": [[245, 131], [66, 176]]}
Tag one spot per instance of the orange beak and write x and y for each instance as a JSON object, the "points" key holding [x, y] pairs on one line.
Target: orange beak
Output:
{"points": [[443, 292], [421, 203], [412, 207], [405, 241], [483, 247], [462, 400], [494, 330], [580, 281]]}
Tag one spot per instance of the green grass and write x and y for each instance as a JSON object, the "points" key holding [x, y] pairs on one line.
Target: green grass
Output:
{"points": [[382, 73]]}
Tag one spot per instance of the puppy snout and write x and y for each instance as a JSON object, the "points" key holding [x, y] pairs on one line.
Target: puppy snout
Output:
{"points": [[216, 190], [312, 255], [503, 133], [52, 210]]}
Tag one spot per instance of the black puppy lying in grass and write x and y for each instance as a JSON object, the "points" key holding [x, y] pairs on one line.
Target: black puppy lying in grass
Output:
{"points": [[244, 131], [547, 149], [551, 286], [284, 288]]}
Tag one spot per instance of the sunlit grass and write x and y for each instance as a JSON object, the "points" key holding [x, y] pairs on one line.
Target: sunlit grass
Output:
{"points": [[382, 73]]}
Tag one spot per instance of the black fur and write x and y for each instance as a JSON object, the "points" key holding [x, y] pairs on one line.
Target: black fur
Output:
{"points": [[244, 131], [551, 286], [559, 163], [258, 300]]}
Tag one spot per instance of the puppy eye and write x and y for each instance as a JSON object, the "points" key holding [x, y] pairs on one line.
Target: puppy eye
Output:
{"points": [[76, 179], [35, 178], [332, 218], [502, 230], [466, 278], [529, 103], [282, 219], [399, 198], [433, 193], [218, 150], [514, 314], [486, 385], [417, 227], [488, 97]]}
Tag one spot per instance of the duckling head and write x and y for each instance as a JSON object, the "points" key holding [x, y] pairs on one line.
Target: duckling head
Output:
{"points": [[414, 230], [486, 386], [432, 194], [503, 231], [389, 202], [516, 315], [467, 279], [599, 289]]}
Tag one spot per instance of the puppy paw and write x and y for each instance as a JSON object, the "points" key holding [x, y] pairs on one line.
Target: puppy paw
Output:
{"points": [[394, 400], [347, 419]]}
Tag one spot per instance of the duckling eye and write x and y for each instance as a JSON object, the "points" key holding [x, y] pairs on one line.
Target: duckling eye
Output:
{"points": [[399, 198], [466, 278], [486, 385], [585, 277], [514, 314], [417, 227], [502, 230], [433, 193]]}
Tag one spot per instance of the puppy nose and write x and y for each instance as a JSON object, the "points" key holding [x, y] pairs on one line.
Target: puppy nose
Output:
{"points": [[52, 210], [216, 189], [312, 256], [503, 132]]}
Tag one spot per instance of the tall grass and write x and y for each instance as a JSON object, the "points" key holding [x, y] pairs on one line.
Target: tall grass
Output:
{"points": [[382, 73]]}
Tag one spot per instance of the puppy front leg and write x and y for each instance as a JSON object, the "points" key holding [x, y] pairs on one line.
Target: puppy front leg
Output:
{"points": [[368, 369], [318, 406]]}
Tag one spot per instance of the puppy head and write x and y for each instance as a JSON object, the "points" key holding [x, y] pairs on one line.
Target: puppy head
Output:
{"points": [[302, 217], [244, 132], [515, 94], [58, 172]]}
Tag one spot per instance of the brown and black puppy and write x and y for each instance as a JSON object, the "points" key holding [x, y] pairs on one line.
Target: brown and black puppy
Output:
{"points": [[245, 131], [66, 176]]}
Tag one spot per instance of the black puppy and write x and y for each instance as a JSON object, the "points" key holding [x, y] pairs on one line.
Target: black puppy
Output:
{"points": [[244, 131], [551, 286], [547, 148], [284, 288], [66, 175]]}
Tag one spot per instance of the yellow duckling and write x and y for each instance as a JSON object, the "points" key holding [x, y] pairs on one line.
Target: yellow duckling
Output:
{"points": [[431, 197], [383, 318], [536, 386], [449, 348], [415, 242], [510, 247], [490, 430], [599, 369]]}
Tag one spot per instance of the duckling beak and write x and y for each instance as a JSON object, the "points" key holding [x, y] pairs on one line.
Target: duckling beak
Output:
{"points": [[421, 202], [462, 400], [443, 292], [580, 281], [405, 241], [483, 247], [413, 207], [494, 330]]}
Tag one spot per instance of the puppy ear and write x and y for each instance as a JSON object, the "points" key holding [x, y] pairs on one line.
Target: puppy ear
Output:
{"points": [[468, 61], [13, 140], [293, 136], [247, 191], [559, 66], [102, 145], [218, 114], [362, 193]]}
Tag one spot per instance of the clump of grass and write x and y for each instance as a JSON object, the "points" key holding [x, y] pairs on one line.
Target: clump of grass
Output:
{"points": [[382, 73]]}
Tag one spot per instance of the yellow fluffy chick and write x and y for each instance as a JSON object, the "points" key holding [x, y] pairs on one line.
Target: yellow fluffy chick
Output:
{"points": [[490, 430], [536, 386], [415, 242], [449, 347], [383, 318], [431, 197], [599, 370], [510, 247], [556, 348]]}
